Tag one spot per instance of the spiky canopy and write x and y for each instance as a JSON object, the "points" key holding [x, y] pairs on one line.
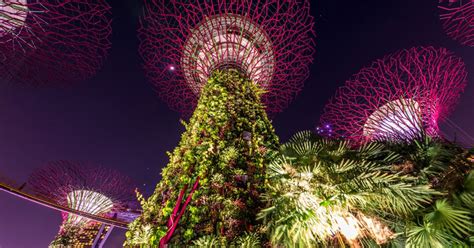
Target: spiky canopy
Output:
{"points": [[84, 187], [457, 17], [269, 41], [398, 97], [45, 42]]}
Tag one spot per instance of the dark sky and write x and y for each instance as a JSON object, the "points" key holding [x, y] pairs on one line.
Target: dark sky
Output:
{"points": [[116, 119]]}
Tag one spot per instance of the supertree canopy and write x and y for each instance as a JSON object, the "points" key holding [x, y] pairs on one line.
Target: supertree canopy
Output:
{"points": [[457, 17], [399, 97], [91, 189], [45, 42], [184, 42]]}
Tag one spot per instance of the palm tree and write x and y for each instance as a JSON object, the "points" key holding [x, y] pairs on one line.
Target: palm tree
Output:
{"points": [[325, 193], [432, 160], [448, 222]]}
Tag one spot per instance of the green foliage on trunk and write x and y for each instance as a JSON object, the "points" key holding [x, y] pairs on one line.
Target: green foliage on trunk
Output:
{"points": [[227, 144]]}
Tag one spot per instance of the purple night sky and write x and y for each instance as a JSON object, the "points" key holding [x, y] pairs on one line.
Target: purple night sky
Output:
{"points": [[116, 119]]}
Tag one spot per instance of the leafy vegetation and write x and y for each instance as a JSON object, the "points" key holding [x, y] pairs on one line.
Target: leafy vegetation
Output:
{"points": [[312, 192], [449, 220], [249, 240], [227, 144], [324, 193]]}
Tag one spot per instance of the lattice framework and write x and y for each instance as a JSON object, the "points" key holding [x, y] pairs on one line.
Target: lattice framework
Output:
{"points": [[93, 189], [457, 17], [45, 42], [183, 42], [398, 97]]}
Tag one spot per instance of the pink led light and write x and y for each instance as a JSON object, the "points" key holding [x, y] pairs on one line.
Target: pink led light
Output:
{"points": [[457, 17], [269, 41], [398, 97], [92, 189], [44, 42]]}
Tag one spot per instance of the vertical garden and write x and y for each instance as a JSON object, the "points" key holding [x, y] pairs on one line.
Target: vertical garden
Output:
{"points": [[383, 177], [221, 161]]}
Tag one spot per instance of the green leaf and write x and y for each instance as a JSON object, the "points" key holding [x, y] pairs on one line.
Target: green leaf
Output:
{"points": [[449, 218]]}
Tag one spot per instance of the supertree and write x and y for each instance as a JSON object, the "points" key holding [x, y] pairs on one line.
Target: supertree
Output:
{"points": [[399, 97], [457, 17], [184, 42], [84, 187], [44, 42], [229, 61]]}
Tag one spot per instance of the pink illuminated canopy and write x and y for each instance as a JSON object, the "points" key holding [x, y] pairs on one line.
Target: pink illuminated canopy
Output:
{"points": [[269, 41], [45, 42], [457, 17], [398, 97]]}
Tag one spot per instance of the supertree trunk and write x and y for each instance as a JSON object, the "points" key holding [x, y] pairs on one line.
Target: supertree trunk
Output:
{"points": [[178, 212], [226, 145]]}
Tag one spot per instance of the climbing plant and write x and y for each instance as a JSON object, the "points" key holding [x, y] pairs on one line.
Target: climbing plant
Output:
{"points": [[227, 144]]}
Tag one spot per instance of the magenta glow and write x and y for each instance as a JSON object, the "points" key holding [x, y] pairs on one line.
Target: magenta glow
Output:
{"points": [[398, 97], [183, 42], [44, 42]]}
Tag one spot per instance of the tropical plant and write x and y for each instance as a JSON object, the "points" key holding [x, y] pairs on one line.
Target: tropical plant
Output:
{"points": [[248, 240], [210, 241], [432, 161], [448, 221], [227, 145], [324, 193]]}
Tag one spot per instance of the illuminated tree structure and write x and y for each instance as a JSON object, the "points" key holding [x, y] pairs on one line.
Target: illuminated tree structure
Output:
{"points": [[90, 189], [457, 17], [400, 97], [224, 58], [44, 42], [184, 42]]}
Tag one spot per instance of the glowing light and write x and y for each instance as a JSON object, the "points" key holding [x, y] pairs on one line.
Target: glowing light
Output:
{"points": [[87, 201], [12, 15], [399, 118], [269, 42], [331, 220], [348, 226], [457, 17], [398, 97], [53, 42], [88, 188], [380, 232], [227, 41]]}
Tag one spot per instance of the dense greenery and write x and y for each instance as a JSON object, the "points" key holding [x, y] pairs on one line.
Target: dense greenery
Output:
{"points": [[449, 220], [310, 192], [227, 144], [324, 193]]}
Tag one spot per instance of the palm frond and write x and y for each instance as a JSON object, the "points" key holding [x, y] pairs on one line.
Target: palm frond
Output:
{"points": [[427, 236], [316, 185], [466, 196], [452, 219]]}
